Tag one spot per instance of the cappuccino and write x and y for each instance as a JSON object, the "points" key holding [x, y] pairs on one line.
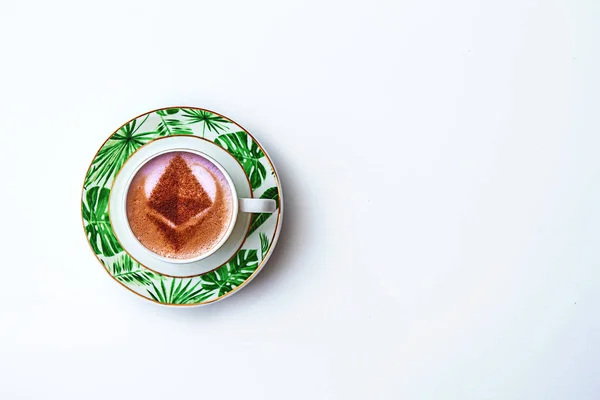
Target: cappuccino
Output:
{"points": [[179, 205]]}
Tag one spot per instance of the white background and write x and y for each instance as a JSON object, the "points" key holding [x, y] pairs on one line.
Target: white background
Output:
{"points": [[440, 166]]}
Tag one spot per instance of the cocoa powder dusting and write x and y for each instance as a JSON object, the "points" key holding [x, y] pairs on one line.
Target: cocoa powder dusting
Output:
{"points": [[178, 195]]}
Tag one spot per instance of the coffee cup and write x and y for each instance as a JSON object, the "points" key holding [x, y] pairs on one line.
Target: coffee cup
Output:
{"points": [[182, 205]]}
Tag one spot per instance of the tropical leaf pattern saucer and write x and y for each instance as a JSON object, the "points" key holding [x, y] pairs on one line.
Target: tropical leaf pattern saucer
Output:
{"points": [[142, 280]]}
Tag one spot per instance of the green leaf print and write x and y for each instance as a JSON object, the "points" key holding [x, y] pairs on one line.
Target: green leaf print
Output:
{"points": [[212, 122], [178, 291], [259, 219], [97, 224], [116, 151], [264, 244], [171, 126], [168, 111], [248, 155], [232, 274], [128, 271]]}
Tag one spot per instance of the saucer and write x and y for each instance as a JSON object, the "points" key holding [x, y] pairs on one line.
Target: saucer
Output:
{"points": [[130, 264]]}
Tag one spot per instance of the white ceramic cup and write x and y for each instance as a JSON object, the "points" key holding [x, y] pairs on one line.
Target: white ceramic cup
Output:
{"points": [[240, 205]]}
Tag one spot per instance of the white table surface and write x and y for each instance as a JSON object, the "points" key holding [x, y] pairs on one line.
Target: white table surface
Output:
{"points": [[441, 168]]}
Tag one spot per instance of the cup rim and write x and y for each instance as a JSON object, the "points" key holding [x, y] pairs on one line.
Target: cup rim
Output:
{"points": [[234, 212]]}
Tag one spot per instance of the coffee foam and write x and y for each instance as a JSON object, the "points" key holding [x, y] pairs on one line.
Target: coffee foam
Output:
{"points": [[174, 229]]}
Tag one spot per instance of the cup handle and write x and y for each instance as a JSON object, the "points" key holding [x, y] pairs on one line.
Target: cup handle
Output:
{"points": [[257, 205]]}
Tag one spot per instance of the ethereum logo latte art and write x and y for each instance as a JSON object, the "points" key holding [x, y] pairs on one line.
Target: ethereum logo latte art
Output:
{"points": [[179, 205]]}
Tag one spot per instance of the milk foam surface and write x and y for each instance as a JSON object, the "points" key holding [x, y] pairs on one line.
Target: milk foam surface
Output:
{"points": [[179, 205]]}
